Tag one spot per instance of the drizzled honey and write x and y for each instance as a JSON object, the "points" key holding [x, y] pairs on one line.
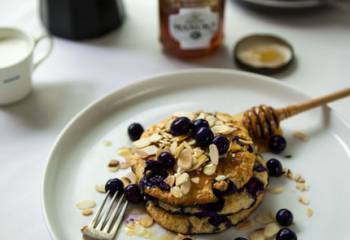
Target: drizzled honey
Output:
{"points": [[191, 28]]}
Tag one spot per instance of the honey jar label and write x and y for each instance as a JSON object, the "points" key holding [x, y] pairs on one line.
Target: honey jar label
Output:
{"points": [[194, 28]]}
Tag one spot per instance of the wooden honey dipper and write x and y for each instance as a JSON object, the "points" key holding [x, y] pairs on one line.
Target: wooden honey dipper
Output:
{"points": [[263, 121]]}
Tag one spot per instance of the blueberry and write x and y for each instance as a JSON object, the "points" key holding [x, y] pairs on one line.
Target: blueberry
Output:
{"points": [[180, 126], [286, 234], [166, 159], [114, 185], [284, 217], [259, 168], [133, 193], [199, 123], [217, 220], [241, 238], [222, 144], [254, 186], [154, 167], [204, 136], [277, 144], [275, 167], [135, 131], [214, 206]]}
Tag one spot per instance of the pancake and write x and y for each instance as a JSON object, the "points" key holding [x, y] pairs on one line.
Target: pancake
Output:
{"points": [[236, 165]]}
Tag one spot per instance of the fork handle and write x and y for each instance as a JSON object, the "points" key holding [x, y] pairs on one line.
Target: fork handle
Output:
{"points": [[291, 110]]}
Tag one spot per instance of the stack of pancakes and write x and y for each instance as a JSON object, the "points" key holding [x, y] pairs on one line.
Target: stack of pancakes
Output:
{"points": [[203, 192]]}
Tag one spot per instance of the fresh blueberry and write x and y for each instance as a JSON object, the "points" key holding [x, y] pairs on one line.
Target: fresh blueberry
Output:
{"points": [[277, 144], [204, 136], [284, 217], [254, 186], [180, 126], [286, 234], [166, 159], [241, 238], [114, 185], [221, 143], [199, 123], [275, 167], [154, 167], [259, 168], [133, 193], [135, 131]]}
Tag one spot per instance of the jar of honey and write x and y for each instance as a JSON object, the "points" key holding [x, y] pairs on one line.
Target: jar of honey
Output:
{"points": [[191, 28]]}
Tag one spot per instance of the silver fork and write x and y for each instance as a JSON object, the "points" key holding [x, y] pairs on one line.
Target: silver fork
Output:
{"points": [[105, 224]]}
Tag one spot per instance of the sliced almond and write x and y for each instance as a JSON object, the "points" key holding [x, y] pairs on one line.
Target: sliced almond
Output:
{"points": [[86, 204], [298, 178], [87, 212], [124, 151], [170, 180], [223, 117], [132, 177], [176, 192], [113, 163], [142, 142], [222, 129], [185, 159], [301, 136], [146, 220], [209, 169], [155, 137], [140, 152], [173, 148], [100, 188], [214, 154], [211, 120], [302, 186], [199, 162], [257, 235], [195, 180], [276, 190], [181, 179], [201, 115], [189, 115], [124, 165], [310, 212], [126, 181], [220, 177], [264, 218], [179, 150], [303, 200], [185, 187], [271, 230], [150, 150]]}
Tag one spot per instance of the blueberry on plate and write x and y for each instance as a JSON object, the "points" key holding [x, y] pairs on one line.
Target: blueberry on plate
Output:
{"points": [[114, 185], [274, 167], [277, 144], [286, 234], [199, 123], [204, 136], [180, 126], [133, 193], [284, 217], [166, 159], [221, 143], [135, 131]]}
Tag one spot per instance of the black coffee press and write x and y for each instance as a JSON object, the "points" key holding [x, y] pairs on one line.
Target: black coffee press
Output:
{"points": [[80, 19]]}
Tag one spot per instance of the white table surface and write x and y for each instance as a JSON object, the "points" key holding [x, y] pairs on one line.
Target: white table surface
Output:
{"points": [[78, 72]]}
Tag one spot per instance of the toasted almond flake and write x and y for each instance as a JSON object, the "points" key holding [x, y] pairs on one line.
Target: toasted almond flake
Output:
{"points": [[220, 177], [107, 143], [244, 225], [222, 129], [124, 165], [192, 142], [87, 212], [257, 235], [185, 187], [185, 159], [303, 200], [126, 181], [271, 230], [214, 154], [195, 180], [301, 136], [155, 137], [146, 220], [181, 179], [100, 188], [142, 142], [170, 180], [197, 162], [173, 148], [310, 212], [223, 117], [189, 115], [176, 192], [288, 173], [179, 150], [86, 204], [276, 190], [264, 218], [132, 177], [150, 150], [124, 151], [302, 186], [113, 163], [211, 120], [209, 169], [140, 152], [201, 116]]}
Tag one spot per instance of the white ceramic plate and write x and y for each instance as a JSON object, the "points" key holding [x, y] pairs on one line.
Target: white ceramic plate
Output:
{"points": [[79, 158], [287, 4]]}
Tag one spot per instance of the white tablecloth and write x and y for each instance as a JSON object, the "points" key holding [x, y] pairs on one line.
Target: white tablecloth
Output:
{"points": [[78, 72]]}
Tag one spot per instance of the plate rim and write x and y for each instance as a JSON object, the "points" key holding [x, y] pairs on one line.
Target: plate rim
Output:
{"points": [[145, 80], [285, 5]]}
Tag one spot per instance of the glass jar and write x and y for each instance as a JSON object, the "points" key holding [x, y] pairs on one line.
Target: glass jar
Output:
{"points": [[191, 28]]}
